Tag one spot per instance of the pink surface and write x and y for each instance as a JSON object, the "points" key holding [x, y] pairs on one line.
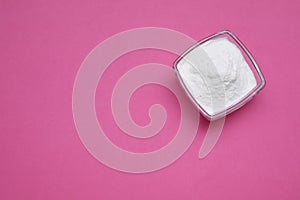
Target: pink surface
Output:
{"points": [[42, 157]]}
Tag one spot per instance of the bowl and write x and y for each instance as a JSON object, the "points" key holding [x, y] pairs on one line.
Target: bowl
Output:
{"points": [[252, 64]]}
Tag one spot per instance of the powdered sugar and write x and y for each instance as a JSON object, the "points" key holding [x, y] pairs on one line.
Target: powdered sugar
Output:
{"points": [[216, 75]]}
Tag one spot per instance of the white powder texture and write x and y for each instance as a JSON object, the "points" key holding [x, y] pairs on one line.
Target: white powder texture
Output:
{"points": [[216, 75]]}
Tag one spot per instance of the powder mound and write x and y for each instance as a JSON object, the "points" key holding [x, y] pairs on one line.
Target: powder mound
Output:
{"points": [[216, 75]]}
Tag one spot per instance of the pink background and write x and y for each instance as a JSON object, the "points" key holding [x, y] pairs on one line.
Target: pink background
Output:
{"points": [[42, 46]]}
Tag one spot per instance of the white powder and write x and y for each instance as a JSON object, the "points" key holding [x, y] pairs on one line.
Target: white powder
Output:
{"points": [[216, 75]]}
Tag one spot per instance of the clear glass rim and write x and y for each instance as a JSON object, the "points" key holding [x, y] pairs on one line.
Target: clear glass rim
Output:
{"points": [[260, 85]]}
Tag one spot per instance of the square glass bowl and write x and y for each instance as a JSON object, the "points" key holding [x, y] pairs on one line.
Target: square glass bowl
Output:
{"points": [[260, 80]]}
